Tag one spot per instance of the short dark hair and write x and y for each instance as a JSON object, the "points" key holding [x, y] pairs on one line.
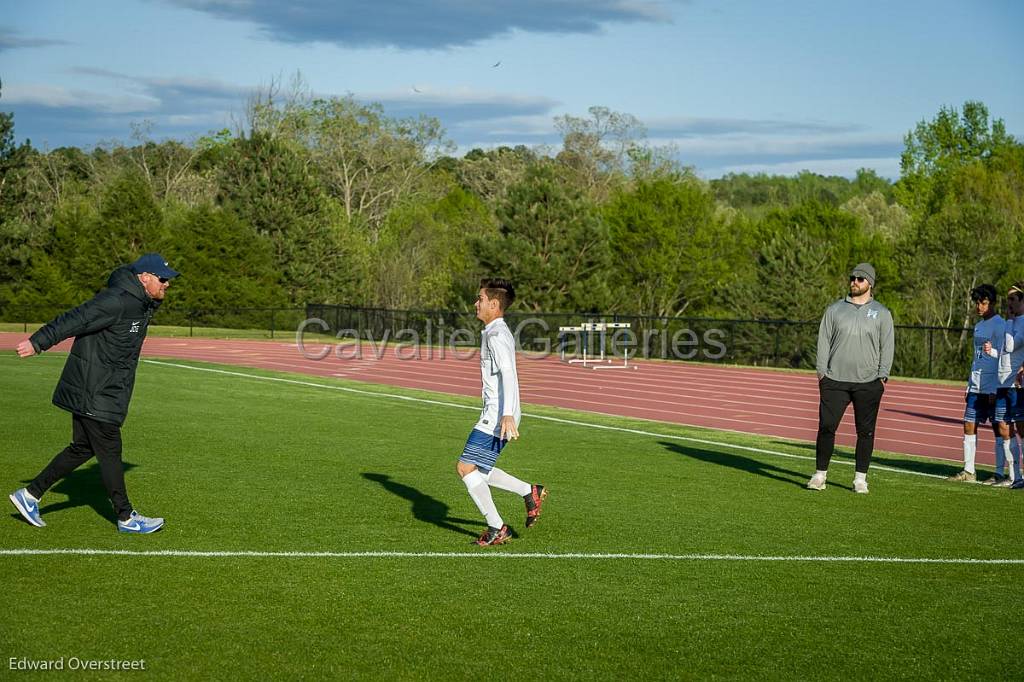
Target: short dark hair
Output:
{"points": [[500, 290], [983, 292]]}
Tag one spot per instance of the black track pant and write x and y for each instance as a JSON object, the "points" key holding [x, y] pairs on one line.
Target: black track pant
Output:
{"points": [[91, 438], [835, 396]]}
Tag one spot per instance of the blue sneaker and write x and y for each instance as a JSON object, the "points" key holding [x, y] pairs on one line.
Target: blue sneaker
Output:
{"points": [[137, 523], [28, 506]]}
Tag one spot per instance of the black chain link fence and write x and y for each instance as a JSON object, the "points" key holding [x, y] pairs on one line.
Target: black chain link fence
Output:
{"points": [[926, 352]]}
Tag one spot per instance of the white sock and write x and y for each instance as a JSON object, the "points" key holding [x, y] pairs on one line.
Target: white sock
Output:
{"points": [[1013, 461], [821, 474], [858, 476], [505, 481], [30, 496], [970, 443], [1015, 453], [476, 484], [1000, 456]]}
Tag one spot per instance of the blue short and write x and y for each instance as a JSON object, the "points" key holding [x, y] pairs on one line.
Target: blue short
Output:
{"points": [[979, 409], [1006, 405], [1015, 405], [482, 450], [1018, 408]]}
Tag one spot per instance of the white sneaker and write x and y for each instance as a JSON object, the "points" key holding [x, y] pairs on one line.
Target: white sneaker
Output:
{"points": [[860, 486], [817, 482]]}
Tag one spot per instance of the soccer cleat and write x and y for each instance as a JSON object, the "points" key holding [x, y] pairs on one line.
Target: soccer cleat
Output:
{"points": [[137, 523], [860, 487], [493, 536], [964, 477], [534, 501], [27, 506], [998, 480], [817, 482], [1018, 484]]}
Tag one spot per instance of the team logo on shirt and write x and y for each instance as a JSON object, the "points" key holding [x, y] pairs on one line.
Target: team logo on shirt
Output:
{"points": [[872, 314]]}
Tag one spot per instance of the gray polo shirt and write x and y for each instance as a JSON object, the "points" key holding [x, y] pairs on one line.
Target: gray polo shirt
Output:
{"points": [[855, 342]]}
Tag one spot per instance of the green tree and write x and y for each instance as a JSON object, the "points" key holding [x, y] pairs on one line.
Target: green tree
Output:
{"points": [[671, 251], [366, 161], [423, 257], [597, 150], [552, 244], [320, 254], [127, 223], [224, 263], [962, 180], [803, 259], [936, 149], [18, 236]]}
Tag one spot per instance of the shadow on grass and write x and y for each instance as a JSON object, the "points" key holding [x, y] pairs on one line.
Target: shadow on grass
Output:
{"points": [[734, 461], [83, 488], [424, 507], [938, 468]]}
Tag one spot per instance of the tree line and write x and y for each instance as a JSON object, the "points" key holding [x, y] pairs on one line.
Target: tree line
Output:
{"points": [[333, 201]]}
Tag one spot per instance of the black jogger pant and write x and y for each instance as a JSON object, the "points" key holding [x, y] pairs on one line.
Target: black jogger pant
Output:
{"points": [[835, 396], [90, 437]]}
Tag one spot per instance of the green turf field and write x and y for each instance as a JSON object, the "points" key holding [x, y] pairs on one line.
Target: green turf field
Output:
{"points": [[242, 464]]}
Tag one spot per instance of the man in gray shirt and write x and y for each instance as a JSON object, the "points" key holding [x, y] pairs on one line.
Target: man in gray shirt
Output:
{"points": [[855, 348]]}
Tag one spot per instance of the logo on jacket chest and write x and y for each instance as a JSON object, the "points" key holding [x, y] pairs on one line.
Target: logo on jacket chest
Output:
{"points": [[872, 314], [135, 327]]}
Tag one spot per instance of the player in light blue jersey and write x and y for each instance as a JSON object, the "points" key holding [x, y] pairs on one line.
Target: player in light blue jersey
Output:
{"points": [[499, 418], [982, 385]]}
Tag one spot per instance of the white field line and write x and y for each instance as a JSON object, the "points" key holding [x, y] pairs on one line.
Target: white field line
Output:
{"points": [[228, 554], [583, 392], [639, 432]]}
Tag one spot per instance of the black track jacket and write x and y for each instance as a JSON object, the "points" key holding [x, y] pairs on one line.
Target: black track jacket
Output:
{"points": [[99, 374]]}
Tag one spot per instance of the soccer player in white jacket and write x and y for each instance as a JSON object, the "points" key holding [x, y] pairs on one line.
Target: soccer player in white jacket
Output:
{"points": [[982, 385], [499, 419]]}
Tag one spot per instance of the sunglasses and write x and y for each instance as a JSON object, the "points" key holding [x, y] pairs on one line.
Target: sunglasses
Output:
{"points": [[162, 280], [858, 279]]}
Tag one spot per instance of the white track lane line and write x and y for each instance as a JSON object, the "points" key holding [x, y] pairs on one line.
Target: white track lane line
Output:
{"points": [[603, 427]]}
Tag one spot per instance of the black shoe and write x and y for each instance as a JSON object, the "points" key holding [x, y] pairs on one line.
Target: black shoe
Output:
{"points": [[493, 536], [534, 501]]}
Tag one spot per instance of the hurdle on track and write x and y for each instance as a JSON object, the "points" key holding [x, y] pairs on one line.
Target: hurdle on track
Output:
{"points": [[601, 361]]}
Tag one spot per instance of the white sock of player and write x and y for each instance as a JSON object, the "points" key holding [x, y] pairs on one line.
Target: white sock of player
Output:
{"points": [[506, 481], [1012, 463], [858, 476], [476, 484], [1000, 456], [970, 443], [1015, 453]]}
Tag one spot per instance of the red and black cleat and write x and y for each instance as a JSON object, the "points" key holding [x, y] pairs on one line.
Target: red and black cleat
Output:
{"points": [[494, 536], [534, 501]]}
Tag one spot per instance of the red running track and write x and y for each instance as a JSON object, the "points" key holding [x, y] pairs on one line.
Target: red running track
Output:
{"points": [[915, 418]]}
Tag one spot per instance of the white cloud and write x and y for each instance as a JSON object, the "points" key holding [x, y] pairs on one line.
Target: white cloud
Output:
{"points": [[56, 97]]}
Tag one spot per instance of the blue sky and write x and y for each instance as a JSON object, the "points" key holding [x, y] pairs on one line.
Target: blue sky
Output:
{"points": [[735, 86]]}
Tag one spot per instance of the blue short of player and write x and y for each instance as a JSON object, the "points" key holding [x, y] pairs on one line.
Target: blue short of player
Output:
{"points": [[1006, 405], [980, 408], [1018, 408], [482, 450]]}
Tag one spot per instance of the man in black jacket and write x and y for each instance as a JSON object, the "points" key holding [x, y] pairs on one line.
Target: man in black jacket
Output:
{"points": [[97, 382]]}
